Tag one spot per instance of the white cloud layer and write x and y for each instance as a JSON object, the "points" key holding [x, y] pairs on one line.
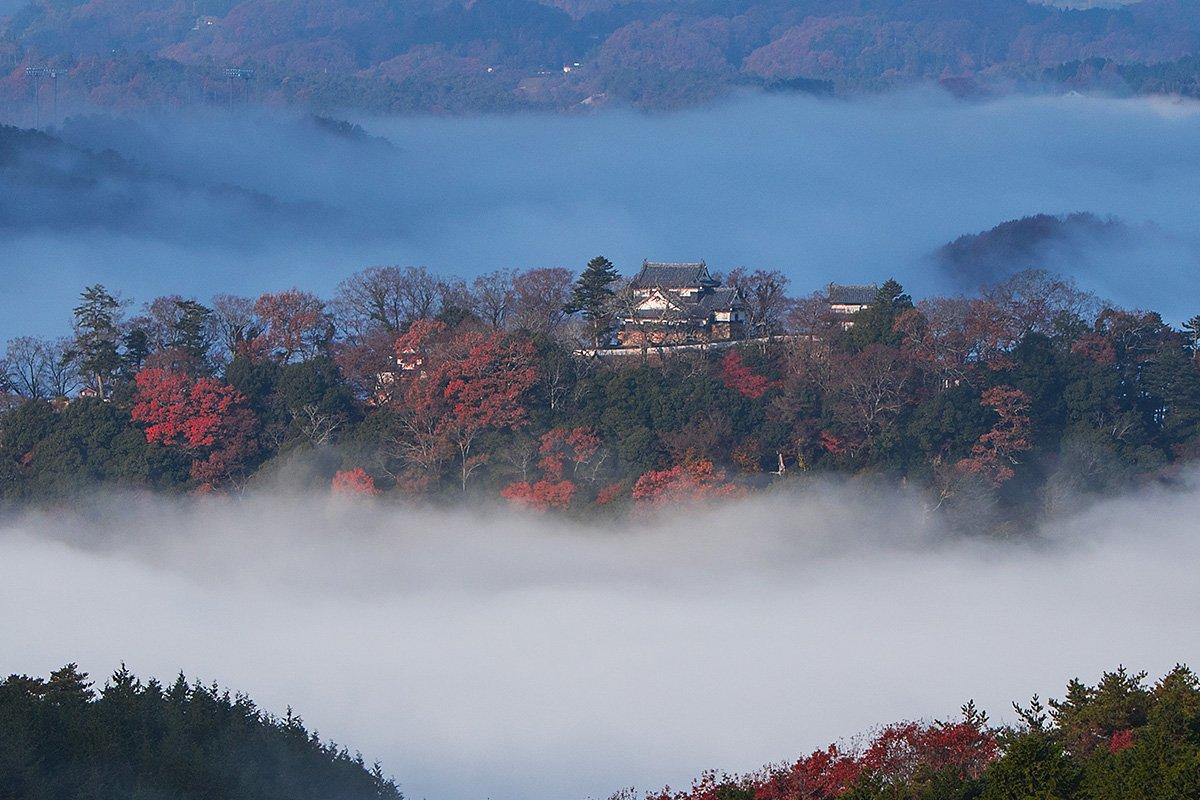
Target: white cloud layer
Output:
{"points": [[825, 190], [480, 654]]}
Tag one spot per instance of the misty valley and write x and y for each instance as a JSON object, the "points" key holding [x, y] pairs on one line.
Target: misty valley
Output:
{"points": [[606, 399]]}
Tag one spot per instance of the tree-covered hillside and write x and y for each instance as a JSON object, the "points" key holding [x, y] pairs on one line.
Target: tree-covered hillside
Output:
{"points": [[63, 739], [1119, 739], [457, 56], [1027, 396]]}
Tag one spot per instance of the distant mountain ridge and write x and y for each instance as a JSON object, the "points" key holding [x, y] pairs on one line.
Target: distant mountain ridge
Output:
{"points": [[462, 56]]}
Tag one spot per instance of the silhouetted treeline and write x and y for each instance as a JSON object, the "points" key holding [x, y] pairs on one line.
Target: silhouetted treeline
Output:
{"points": [[1118, 740], [60, 739], [1022, 398]]}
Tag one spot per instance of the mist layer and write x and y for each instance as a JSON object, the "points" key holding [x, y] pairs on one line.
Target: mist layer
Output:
{"points": [[482, 654], [825, 190]]}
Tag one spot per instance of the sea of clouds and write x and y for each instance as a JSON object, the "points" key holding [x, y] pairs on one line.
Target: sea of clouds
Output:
{"points": [[483, 654], [823, 189]]}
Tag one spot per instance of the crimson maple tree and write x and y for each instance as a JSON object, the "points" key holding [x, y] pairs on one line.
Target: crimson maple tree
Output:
{"points": [[691, 481], [740, 378], [558, 448], [210, 420]]}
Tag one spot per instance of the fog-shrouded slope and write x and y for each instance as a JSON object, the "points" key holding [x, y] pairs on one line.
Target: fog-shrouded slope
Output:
{"points": [[977, 258], [450, 55], [53, 186]]}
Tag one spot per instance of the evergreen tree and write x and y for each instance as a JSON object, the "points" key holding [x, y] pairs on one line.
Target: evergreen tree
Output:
{"points": [[193, 332], [192, 742], [593, 298], [876, 324], [136, 344], [97, 322], [1191, 329]]}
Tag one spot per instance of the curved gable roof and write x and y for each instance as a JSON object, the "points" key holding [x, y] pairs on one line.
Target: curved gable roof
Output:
{"points": [[671, 276]]}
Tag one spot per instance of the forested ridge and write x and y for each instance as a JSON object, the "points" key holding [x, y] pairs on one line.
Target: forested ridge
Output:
{"points": [[61, 738], [1119, 739], [485, 55], [1018, 400]]}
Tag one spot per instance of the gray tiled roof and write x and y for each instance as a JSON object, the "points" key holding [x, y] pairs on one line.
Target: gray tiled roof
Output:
{"points": [[852, 295], [723, 298], [671, 276]]}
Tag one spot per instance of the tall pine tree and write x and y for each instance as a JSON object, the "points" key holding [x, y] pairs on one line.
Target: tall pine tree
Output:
{"points": [[97, 331], [592, 297]]}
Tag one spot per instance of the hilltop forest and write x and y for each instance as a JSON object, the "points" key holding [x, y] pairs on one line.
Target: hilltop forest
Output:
{"points": [[1022, 398], [1116, 740], [1119, 739], [453, 56], [184, 741]]}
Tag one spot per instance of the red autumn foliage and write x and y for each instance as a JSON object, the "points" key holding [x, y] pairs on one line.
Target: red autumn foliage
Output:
{"points": [[740, 378], [352, 482], [1120, 740], [900, 751], [455, 387], [692, 481], [209, 420], [294, 324], [610, 493], [824, 773], [1095, 346], [992, 456], [557, 448], [831, 444], [542, 495], [900, 754], [562, 445]]}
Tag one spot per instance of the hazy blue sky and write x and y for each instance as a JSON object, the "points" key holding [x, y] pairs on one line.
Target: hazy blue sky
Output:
{"points": [[826, 190]]}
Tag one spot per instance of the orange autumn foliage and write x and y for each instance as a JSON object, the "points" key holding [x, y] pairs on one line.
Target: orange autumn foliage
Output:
{"points": [[691, 481], [540, 496], [350, 482]]}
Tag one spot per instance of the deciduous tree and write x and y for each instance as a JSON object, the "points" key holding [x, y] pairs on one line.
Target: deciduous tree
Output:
{"points": [[351, 482], [209, 420], [294, 325], [994, 455], [540, 297], [693, 481]]}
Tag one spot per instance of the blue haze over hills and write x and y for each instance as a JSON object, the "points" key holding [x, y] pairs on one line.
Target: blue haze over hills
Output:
{"points": [[822, 189]]}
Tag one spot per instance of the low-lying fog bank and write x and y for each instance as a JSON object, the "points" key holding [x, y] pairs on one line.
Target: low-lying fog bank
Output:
{"points": [[825, 190], [493, 655]]}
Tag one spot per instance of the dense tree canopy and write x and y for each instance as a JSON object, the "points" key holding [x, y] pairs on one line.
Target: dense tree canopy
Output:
{"points": [[1009, 402], [61, 738], [1117, 740]]}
